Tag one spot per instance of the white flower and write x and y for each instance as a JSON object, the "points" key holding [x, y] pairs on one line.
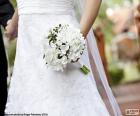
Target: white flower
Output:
{"points": [[52, 45], [59, 42], [64, 48], [68, 45]]}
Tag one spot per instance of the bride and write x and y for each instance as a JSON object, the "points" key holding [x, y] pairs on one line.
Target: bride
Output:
{"points": [[34, 89]]}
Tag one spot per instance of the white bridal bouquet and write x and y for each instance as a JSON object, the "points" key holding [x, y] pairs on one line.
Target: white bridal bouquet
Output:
{"points": [[63, 44]]}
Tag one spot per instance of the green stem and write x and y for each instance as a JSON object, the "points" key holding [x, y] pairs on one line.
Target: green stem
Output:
{"points": [[84, 69]]}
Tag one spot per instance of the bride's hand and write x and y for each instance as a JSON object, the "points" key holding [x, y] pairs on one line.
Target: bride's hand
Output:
{"points": [[12, 27], [84, 34], [11, 30]]}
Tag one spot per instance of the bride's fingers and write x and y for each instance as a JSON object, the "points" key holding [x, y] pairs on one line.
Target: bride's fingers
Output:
{"points": [[7, 35], [9, 21], [6, 28], [10, 33]]}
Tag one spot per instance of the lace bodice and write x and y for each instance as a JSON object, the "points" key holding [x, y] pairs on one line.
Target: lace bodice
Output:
{"points": [[45, 6]]}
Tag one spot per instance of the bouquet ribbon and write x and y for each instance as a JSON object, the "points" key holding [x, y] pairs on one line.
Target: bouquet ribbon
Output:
{"points": [[84, 69]]}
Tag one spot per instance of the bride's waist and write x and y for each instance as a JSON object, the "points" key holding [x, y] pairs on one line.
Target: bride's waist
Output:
{"points": [[37, 9]]}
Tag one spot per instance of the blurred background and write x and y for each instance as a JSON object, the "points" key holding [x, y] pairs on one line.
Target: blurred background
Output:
{"points": [[117, 31]]}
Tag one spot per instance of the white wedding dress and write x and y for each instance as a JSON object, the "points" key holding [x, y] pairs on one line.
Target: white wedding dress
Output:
{"points": [[36, 89]]}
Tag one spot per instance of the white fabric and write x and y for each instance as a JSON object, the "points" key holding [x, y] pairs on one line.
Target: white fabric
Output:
{"points": [[34, 88], [97, 66], [45, 6]]}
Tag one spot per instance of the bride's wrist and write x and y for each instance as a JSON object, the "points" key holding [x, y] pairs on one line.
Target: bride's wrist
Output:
{"points": [[83, 31]]}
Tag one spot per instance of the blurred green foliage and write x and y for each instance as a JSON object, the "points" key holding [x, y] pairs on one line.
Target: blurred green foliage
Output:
{"points": [[104, 23], [116, 73], [13, 2], [11, 50]]}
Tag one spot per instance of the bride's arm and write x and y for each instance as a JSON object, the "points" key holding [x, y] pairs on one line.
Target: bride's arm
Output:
{"points": [[89, 15], [12, 25]]}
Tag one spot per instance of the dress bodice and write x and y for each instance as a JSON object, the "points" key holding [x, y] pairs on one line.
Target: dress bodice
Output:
{"points": [[45, 6]]}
